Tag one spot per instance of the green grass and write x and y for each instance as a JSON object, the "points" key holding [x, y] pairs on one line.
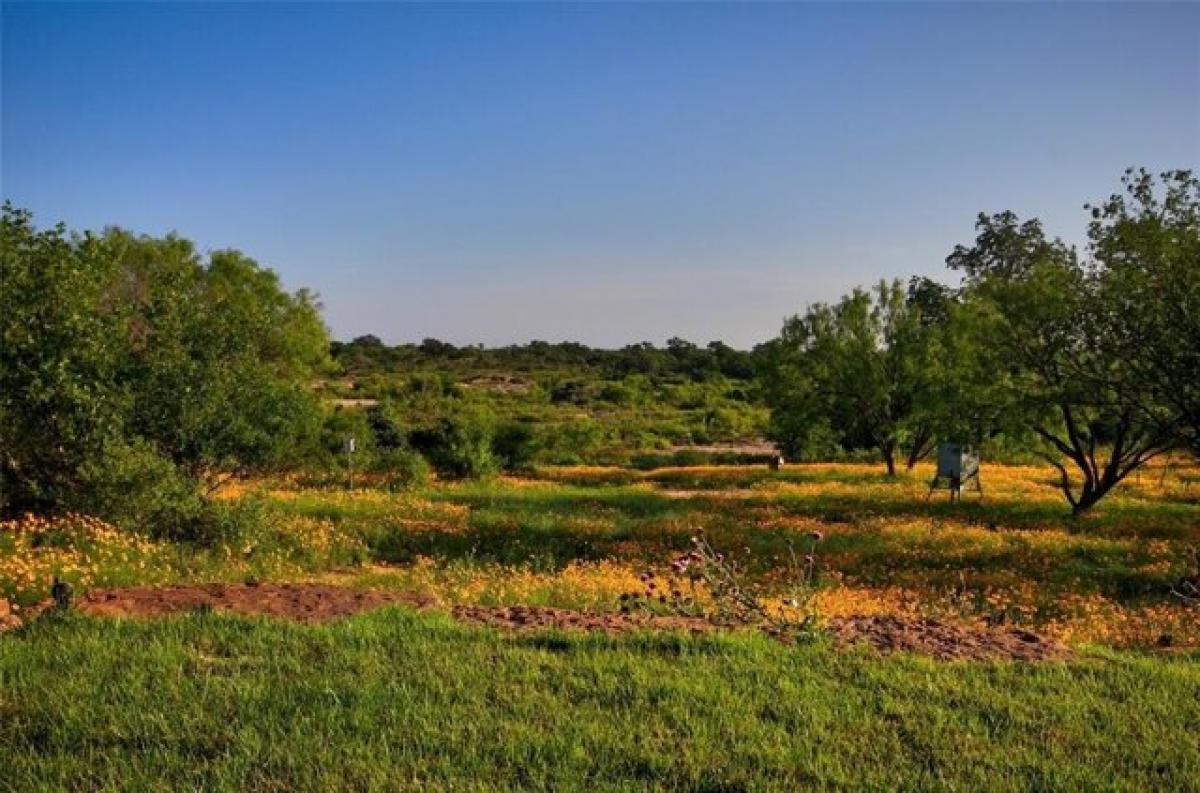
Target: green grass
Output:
{"points": [[549, 526], [400, 700]]}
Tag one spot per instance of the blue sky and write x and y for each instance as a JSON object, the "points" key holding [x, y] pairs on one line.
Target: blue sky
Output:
{"points": [[600, 173]]}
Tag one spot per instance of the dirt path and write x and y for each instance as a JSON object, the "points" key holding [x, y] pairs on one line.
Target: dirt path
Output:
{"points": [[321, 602]]}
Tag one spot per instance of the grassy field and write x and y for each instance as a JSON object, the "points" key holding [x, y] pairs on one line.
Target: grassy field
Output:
{"points": [[397, 698], [393, 700]]}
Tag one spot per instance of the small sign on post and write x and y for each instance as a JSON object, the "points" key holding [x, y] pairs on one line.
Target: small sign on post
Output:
{"points": [[348, 445]]}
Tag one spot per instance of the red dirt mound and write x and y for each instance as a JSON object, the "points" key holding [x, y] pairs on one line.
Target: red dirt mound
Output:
{"points": [[531, 618], [318, 602], [305, 602], [883, 633], [943, 640]]}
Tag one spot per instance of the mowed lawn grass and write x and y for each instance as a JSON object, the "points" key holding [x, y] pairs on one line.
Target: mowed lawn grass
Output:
{"points": [[396, 699]]}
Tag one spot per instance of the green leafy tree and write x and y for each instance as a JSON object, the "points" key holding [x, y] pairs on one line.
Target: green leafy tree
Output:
{"points": [[1045, 322], [856, 372], [964, 392], [126, 353], [61, 403], [1145, 251], [219, 357]]}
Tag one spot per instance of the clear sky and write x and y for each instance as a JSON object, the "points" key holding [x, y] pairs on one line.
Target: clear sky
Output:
{"points": [[598, 173]]}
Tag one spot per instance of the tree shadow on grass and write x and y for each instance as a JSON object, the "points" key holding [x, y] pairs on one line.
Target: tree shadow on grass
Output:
{"points": [[549, 533], [1145, 520], [632, 503]]}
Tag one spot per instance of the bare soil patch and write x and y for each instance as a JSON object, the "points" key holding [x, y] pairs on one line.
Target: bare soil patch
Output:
{"points": [[314, 602], [500, 383], [348, 402], [305, 602], [883, 633], [8, 620], [532, 618], [943, 640]]}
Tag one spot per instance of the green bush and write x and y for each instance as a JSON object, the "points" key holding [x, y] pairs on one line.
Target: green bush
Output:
{"points": [[134, 370], [515, 446], [339, 425], [573, 443], [133, 486], [460, 446], [401, 467], [616, 393]]}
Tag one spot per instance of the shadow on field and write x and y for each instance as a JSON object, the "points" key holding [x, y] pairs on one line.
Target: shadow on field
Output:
{"points": [[633, 503], [1148, 520], [546, 530], [549, 531]]}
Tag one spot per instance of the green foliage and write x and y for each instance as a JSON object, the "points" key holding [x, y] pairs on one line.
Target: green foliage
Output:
{"points": [[134, 486], [401, 467], [1097, 360], [617, 393], [858, 371], [339, 425], [381, 447], [60, 402], [1049, 326], [219, 355], [515, 446], [460, 446], [680, 358], [118, 349], [1145, 249], [572, 443]]}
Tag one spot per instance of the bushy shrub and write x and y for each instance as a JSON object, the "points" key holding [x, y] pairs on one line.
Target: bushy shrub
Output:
{"points": [[460, 446], [135, 370], [515, 446], [400, 467], [571, 444], [341, 424], [133, 486], [616, 393], [140, 491], [386, 432], [572, 391], [227, 522]]}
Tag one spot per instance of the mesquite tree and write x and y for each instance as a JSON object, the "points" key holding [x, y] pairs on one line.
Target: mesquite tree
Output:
{"points": [[854, 372], [1145, 247], [1053, 323]]}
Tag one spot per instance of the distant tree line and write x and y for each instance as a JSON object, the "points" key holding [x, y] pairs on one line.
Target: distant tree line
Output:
{"points": [[679, 358], [1093, 360]]}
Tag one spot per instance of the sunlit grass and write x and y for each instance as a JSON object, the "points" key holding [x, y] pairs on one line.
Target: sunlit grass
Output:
{"points": [[578, 537], [401, 700]]}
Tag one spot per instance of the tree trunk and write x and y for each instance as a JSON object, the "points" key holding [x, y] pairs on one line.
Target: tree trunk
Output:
{"points": [[1127, 454], [921, 447], [1094, 490], [889, 457]]}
